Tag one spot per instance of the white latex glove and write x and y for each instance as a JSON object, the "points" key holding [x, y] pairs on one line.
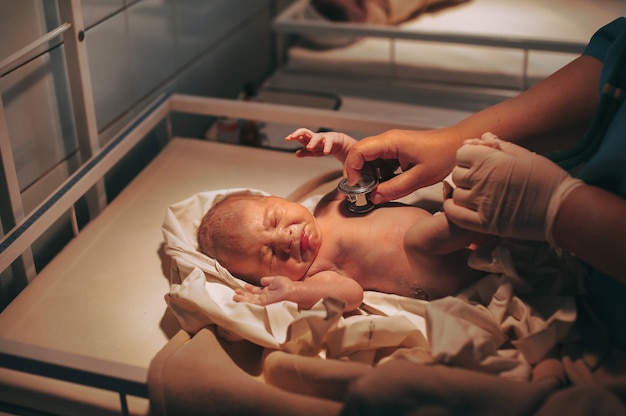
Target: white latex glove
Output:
{"points": [[506, 190]]}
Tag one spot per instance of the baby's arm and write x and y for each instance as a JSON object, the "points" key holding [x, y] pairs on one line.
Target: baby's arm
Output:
{"points": [[305, 293], [322, 144], [437, 235]]}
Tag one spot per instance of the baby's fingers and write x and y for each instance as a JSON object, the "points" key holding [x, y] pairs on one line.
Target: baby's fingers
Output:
{"points": [[302, 135], [240, 295], [328, 147], [251, 288], [246, 295], [316, 146]]}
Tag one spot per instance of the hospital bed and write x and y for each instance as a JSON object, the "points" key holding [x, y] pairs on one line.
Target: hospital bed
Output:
{"points": [[92, 331], [467, 55]]}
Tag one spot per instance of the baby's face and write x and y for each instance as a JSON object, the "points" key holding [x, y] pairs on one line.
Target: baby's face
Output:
{"points": [[281, 237]]}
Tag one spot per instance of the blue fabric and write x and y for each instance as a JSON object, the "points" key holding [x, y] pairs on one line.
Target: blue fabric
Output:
{"points": [[606, 169]]}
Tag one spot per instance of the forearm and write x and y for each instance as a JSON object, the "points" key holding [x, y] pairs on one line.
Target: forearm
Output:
{"points": [[559, 107], [550, 116], [346, 143], [561, 104], [591, 223], [307, 293]]}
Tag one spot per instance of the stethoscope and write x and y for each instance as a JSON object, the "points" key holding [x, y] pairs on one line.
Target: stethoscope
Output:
{"points": [[612, 95]]}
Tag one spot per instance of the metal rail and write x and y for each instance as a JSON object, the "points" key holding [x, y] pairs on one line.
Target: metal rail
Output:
{"points": [[28, 230], [122, 378], [289, 22], [13, 61]]}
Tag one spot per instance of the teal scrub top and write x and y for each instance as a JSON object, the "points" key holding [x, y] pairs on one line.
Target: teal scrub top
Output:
{"points": [[607, 169]]}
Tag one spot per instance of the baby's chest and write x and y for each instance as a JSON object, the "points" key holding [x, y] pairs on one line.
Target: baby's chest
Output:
{"points": [[374, 258]]}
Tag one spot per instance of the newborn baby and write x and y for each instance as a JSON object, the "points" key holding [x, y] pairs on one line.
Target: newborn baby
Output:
{"points": [[286, 252]]}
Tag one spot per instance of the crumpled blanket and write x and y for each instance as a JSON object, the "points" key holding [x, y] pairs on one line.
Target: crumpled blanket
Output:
{"points": [[503, 324]]}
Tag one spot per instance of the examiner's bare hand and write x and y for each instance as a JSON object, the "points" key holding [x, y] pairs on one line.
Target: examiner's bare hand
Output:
{"points": [[425, 158]]}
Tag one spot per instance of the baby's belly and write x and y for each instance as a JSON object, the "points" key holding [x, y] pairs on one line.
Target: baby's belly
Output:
{"points": [[421, 278], [396, 277]]}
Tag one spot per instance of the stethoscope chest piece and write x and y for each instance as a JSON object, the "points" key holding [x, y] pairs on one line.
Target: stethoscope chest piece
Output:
{"points": [[358, 195]]}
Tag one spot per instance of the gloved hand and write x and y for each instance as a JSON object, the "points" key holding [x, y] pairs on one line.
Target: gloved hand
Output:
{"points": [[506, 190]]}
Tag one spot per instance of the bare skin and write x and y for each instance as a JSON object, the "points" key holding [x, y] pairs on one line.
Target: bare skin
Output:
{"points": [[393, 249], [291, 254], [553, 114], [545, 117]]}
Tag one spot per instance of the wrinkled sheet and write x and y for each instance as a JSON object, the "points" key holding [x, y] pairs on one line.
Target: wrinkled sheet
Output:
{"points": [[502, 325]]}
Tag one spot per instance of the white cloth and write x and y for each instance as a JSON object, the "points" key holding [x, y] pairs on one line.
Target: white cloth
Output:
{"points": [[488, 327]]}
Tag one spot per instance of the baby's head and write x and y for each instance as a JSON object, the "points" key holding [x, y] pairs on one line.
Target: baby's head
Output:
{"points": [[254, 236], [219, 233]]}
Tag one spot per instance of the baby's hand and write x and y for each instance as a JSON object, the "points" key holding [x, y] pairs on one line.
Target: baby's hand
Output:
{"points": [[274, 289], [320, 144]]}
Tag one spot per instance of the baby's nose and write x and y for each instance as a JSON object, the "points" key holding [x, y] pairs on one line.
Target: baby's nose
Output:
{"points": [[285, 239]]}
